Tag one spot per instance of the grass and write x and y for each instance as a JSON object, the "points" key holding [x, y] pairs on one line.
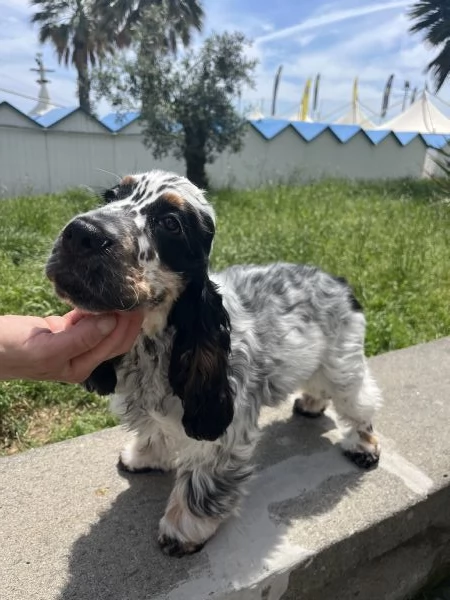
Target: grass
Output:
{"points": [[390, 240], [35, 413]]}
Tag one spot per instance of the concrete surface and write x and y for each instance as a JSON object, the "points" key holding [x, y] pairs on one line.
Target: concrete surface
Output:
{"points": [[313, 526]]}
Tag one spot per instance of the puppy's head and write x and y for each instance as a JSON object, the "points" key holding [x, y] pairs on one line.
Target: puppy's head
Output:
{"points": [[142, 248], [148, 247]]}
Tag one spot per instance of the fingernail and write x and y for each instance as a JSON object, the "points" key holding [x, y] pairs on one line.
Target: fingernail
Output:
{"points": [[107, 324]]}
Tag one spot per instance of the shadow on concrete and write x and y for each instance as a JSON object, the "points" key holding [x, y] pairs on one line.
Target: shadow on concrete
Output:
{"points": [[119, 558]]}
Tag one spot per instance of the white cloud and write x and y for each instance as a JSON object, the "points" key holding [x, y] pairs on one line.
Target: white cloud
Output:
{"points": [[369, 39], [306, 40], [219, 18], [16, 46], [373, 48], [17, 5], [329, 19]]}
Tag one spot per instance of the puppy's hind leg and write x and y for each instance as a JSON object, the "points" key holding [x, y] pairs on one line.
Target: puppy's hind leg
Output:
{"points": [[356, 403], [355, 394]]}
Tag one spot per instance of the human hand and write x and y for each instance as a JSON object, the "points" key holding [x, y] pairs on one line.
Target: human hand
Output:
{"points": [[66, 348]]}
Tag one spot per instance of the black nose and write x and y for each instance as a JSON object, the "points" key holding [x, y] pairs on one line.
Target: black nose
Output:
{"points": [[83, 237]]}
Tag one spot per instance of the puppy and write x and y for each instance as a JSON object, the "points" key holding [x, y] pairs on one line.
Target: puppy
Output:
{"points": [[213, 348]]}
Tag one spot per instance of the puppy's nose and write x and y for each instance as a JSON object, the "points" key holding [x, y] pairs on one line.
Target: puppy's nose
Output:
{"points": [[84, 237]]}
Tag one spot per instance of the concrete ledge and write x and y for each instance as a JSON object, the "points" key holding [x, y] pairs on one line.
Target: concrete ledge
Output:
{"points": [[313, 527]]}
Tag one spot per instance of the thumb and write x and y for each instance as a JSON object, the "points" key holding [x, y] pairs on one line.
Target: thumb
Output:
{"points": [[85, 335]]}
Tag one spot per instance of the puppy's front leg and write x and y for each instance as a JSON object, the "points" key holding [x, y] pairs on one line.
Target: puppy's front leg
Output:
{"points": [[149, 451], [202, 498]]}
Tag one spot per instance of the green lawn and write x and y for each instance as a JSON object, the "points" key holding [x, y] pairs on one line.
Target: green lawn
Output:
{"points": [[390, 240]]}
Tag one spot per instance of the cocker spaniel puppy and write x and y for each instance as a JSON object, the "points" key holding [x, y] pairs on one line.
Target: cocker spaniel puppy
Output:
{"points": [[213, 349]]}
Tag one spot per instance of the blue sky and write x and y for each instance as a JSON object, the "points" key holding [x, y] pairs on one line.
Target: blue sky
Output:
{"points": [[340, 40]]}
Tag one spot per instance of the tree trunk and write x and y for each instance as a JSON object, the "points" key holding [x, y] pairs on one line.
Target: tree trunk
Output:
{"points": [[84, 88], [195, 169]]}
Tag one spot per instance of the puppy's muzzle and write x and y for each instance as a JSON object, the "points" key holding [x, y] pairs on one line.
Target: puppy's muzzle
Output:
{"points": [[83, 237], [94, 265]]}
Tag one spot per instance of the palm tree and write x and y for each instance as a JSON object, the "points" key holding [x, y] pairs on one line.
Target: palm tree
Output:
{"points": [[84, 32], [177, 17], [72, 27], [432, 18]]}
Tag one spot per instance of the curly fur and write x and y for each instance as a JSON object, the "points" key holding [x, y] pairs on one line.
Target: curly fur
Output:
{"points": [[213, 349]]}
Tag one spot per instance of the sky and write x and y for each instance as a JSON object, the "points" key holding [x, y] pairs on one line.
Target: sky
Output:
{"points": [[340, 40]]}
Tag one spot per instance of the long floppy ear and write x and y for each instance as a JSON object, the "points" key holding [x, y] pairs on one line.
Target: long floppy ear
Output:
{"points": [[198, 371], [103, 379]]}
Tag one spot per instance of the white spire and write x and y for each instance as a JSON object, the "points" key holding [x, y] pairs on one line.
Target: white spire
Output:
{"points": [[421, 117], [44, 104], [356, 116]]}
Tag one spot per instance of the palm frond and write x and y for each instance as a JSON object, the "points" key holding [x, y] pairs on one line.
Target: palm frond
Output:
{"points": [[84, 32], [67, 57], [432, 19], [440, 67]]}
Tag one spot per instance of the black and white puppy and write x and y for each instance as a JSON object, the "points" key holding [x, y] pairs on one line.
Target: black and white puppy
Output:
{"points": [[213, 347]]}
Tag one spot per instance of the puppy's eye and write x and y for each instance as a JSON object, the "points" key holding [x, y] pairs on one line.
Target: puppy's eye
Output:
{"points": [[171, 224], [110, 195]]}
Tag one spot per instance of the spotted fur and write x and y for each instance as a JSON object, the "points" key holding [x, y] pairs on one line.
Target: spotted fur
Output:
{"points": [[213, 349]]}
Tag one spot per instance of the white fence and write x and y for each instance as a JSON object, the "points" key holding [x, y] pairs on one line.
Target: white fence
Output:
{"points": [[79, 150]]}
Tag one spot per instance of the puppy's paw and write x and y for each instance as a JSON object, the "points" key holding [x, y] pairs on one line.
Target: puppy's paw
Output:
{"points": [[121, 466], [308, 406], [363, 448], [180, 531], [136, 458], [363, 460], [174, 547]]}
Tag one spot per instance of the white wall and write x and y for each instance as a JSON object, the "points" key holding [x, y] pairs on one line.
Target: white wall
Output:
{"points": [[40, 162], [80, 122], [14, 118], [288, 157], [80, 152]]}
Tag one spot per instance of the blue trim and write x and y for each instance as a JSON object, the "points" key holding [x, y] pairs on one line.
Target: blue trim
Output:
{"points": [[377, 135], [269, 128], [434, 140], [344, 133], [53, 116], [20, 113], [116, 121], [405, 137], [308, 131]]}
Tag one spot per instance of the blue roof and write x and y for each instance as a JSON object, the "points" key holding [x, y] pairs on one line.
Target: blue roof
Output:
{"points": [[268, 128], [434, 140], [308, 131], [344, 132], [404, 137], [377, 135], [53, 116], [117, 121]]}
